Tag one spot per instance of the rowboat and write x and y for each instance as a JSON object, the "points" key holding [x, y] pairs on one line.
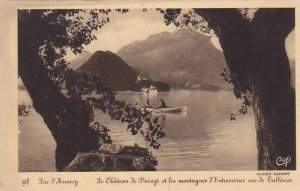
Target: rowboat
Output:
{"points": [[178, 109]]}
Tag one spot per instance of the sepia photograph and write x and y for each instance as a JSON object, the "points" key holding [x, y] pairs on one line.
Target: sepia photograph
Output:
{"points": [[156, 89]]}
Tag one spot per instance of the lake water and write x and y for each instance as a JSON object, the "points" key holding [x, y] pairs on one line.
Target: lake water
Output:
{"points": [[202, 139]]}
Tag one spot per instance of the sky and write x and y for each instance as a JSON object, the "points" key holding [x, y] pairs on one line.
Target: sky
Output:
{"points": [[138, 25], [127, 28]]}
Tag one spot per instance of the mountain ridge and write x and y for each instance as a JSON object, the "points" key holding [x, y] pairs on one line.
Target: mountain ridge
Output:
{"points": [[79, 60], [183, 59], [116, 74], [110, 69]]}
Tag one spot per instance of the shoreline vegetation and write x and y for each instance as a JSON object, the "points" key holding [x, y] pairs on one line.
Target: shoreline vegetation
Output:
{"points": [[211, 88], [111, 157]]}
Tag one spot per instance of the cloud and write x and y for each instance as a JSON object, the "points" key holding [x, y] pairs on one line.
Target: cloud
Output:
{"points": [[127, 28], [138, 25]]}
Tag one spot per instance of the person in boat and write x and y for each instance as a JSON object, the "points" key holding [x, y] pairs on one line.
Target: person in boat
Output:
{"points": [[147, 104], [163, 104]]}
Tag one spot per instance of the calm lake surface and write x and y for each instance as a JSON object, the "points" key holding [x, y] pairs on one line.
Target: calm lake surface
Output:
{"points": [[202, 139]]}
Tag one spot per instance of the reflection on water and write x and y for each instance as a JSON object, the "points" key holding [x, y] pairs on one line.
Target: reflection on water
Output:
{"points": [[204, 138]]}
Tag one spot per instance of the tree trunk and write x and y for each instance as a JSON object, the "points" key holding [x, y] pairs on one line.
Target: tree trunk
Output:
{"points": [[68, 120], [266, 75], [273, 101], [275, 115], [256, 57]]}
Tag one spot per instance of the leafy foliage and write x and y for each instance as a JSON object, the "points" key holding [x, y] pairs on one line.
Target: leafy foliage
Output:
{"points": [[248, 13], [189, 18], [59, 30], [185, 18], [170, 16], [237, 92], [192, 21], [23, 111], [102, 133], [85, 87]]}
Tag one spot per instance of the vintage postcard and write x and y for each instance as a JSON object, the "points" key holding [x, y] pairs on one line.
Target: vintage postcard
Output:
{"points": [[149, 95]]}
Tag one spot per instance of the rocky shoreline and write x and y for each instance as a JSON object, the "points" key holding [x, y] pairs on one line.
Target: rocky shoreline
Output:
{"points": [[114, 158]]}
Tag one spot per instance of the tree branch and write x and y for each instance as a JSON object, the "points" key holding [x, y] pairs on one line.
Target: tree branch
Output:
{"points": [[224, 21], [276, 23], [234, 35]]}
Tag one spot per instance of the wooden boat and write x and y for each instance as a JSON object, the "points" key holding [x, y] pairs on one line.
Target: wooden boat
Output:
{"points": [[178, 109]]}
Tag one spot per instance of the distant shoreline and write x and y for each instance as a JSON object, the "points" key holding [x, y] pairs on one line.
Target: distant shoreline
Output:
{"points": [[175, 90], [22, 88]]}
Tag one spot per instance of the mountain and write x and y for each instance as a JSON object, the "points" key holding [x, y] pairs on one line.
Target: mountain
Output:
{"points": [[183, 59], [82, 58], [111, 70]]}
